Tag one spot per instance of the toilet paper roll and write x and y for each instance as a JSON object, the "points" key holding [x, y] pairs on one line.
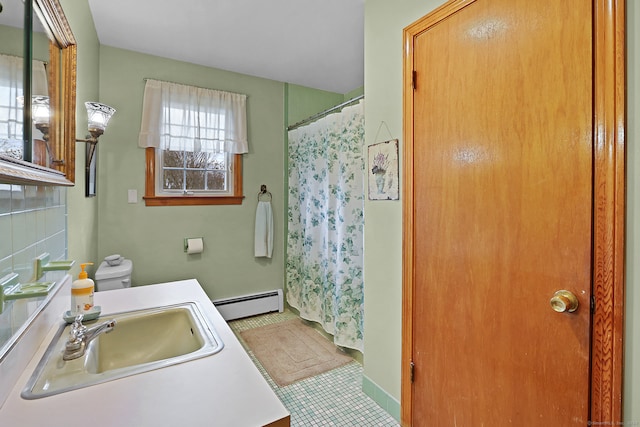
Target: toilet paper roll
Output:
{"points": [[195, 246]]}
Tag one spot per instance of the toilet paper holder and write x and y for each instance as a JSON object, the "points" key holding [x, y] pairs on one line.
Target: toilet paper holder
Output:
{"points": [[194, 240]]}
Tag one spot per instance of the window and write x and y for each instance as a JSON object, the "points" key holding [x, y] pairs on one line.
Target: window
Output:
{"points": [[11, 101], [190, 167], [194, 139], [11, 143]]}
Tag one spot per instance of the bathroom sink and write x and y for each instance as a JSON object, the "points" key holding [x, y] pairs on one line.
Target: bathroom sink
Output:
{"points": [[141, 341]]}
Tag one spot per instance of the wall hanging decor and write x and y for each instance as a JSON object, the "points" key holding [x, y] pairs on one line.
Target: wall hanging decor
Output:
{"points": [[383, 171]]}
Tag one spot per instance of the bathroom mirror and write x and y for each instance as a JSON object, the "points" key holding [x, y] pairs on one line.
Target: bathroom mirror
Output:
{"points": [[12, 49], [43, 161]]}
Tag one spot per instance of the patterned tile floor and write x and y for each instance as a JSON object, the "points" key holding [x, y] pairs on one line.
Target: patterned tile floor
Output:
{"points": [[334, 398]]}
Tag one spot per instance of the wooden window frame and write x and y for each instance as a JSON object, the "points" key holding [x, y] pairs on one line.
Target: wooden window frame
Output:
{"points": [[151, 199]]}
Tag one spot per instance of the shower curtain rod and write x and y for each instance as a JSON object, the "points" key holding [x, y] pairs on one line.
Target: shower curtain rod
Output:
{"points": [[324, 113]]}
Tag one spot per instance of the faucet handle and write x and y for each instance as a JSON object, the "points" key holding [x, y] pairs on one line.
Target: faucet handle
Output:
{"points": [[77, 323], [77, 328]]}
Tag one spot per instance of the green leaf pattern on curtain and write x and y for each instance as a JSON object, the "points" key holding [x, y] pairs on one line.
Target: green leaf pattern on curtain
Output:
{"points": [[326, 221]]}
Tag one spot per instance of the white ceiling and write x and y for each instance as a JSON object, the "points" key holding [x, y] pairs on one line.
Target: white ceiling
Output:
{"points": [[313, 43]]}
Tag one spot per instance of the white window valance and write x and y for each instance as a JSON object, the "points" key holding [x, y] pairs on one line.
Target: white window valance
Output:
{"points": [[11, 90], [182, 117], [10, 110]]}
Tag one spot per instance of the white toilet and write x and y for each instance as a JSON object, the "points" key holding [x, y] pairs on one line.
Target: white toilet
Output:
{"points": [[114, 276]]}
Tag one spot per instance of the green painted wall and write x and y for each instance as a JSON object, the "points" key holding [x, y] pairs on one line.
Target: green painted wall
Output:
{"points": [[82, 212], [352, 94], [384, 22], [304, 102], [40, 46], [12, 40], [153, 236]]}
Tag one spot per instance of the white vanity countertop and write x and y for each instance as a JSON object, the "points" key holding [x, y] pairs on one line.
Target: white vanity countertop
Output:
{"points": [[222, 390]]}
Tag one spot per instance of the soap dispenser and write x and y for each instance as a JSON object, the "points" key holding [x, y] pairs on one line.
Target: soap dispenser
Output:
{"points": [[82, 292]]}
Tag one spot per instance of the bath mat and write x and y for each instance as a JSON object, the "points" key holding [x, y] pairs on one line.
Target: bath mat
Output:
{"points": [[291, 351]]}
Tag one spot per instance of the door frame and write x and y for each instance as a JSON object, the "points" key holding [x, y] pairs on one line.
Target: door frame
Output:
{"points": [[608, 255]]}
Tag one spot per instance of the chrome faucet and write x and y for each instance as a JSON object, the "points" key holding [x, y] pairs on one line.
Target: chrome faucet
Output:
{"points": [[80, 336]]}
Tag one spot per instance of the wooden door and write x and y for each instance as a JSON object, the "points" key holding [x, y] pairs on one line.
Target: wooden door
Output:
{"points": [[500, 175]]}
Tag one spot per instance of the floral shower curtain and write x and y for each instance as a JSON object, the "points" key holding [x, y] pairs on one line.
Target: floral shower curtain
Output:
{"points": [[326, 221]]}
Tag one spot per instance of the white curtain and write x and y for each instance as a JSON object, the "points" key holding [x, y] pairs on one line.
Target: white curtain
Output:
{"points": [[326, 220], [182, 117], [11, 89]]}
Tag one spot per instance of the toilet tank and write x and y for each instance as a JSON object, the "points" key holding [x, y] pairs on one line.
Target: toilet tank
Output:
{"points": [[114, 277]]}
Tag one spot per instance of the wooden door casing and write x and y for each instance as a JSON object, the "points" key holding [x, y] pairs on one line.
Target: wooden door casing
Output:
{"points": [[608, 212]]}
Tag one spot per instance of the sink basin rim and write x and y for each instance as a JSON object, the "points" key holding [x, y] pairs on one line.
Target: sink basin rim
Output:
{"points": [[212, 345]]}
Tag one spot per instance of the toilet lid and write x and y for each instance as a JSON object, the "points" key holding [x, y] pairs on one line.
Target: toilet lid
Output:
{"points": [[105, 271]]}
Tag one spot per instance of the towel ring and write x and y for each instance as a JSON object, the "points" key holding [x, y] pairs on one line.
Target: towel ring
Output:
{"points": [[263, 191]]}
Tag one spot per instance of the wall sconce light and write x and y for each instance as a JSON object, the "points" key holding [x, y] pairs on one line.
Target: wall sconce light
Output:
{"points": [[40, 114], [40, 118], [98, 116]]}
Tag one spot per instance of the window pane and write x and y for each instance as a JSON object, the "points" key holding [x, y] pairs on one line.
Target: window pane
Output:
{"points": [[196, 160], [216, 180], [195, 180], [217, 161], [173, 179], [172, 159]]}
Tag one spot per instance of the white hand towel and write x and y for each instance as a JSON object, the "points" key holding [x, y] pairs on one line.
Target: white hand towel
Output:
{"points": [[264, 230]]}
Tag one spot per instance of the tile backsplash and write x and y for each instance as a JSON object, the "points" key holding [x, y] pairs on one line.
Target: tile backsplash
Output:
{"points": [[33, 220]]}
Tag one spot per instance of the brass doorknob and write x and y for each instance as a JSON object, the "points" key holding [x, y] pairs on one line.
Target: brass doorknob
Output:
{"points": [[564, 301]]}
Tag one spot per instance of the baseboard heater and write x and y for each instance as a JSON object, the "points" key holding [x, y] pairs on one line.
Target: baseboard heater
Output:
{"points": [[250, 305]]}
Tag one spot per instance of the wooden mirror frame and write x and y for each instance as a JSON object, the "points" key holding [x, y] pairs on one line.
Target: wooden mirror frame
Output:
{"points": [[62, 101]]}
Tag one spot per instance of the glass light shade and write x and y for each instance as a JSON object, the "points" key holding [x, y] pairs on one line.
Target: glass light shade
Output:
{"points": [[98, 115], [40, 109]]}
